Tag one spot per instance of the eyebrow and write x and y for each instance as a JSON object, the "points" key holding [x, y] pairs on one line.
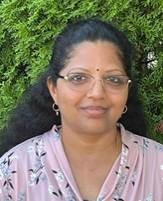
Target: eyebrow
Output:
{"points": [[79, 68], [115, 70], [107, 71]]}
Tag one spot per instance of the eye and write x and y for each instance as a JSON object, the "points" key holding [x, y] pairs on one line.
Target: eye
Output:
{"points": [[78, 78], [115, 80]]}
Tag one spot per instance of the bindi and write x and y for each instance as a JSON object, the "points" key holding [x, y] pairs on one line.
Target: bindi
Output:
{"points": [[97, 69]]}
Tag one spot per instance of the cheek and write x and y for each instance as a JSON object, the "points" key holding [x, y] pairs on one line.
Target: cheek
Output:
{"points": [[67, 99], [120, 101], [124, 98]]}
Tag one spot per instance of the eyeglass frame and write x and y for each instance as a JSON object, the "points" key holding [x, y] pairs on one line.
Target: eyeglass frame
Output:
{"points": [[66, 77]]}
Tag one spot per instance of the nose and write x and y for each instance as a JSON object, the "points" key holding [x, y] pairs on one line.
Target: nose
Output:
{"points": [[96, 90]]}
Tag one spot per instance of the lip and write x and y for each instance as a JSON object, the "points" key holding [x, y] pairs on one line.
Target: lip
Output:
{"points": [[94, 111]]}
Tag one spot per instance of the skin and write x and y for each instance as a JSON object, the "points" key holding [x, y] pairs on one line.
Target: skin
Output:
{"points": [[89, 118]]}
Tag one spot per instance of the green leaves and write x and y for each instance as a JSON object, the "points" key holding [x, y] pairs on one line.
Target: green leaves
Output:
{"points": [[29, 27]]}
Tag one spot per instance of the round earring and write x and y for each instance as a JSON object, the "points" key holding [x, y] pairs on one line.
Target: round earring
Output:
{"points": [[55, 108], [125, 109]]}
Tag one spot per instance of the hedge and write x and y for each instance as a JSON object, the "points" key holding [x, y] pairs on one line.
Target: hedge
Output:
{"points": [[29, 27]]}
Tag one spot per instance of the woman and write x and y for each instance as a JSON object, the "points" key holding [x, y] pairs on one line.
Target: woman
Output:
{"points": [[89, 89]]}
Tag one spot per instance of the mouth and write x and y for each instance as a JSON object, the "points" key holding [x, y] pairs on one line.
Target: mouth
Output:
{"points": [[94, 111]]}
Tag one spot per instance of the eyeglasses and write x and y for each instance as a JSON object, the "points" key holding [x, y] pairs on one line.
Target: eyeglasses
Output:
{"points": [[83, 82]]}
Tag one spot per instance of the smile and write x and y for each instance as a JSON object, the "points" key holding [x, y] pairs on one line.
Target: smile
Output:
{"points": [[94, 111]]}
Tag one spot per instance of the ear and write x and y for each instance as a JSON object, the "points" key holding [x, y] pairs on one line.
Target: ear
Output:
{"points": [[52, 89]]}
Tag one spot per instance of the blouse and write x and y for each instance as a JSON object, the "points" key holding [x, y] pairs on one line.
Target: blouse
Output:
{"points": [[38, 170]]}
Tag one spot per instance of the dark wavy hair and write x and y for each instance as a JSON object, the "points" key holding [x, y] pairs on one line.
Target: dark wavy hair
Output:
{"points": [[34, 115]]}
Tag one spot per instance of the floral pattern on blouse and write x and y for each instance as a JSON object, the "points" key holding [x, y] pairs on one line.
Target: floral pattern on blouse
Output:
{"points": [[6, 175], [36, 171], [46, 173], [66, 191]]}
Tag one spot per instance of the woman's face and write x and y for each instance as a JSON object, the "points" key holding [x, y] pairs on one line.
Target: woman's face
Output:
{"points": [[95, 109]]}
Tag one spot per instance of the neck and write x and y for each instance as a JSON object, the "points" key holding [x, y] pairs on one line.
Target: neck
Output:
{"points": [[91, 144], [90, 155]]}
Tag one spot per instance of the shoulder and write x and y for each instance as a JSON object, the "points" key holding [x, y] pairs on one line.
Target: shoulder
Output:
{"points": [[143, 143], [147, 148], [24, 165], [23, 154], [24, 161], [146, 144], [30, 150], [149, 152]]}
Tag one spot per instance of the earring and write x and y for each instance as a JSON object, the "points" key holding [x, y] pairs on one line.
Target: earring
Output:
{"points": [[55, 108], [125, 109]]}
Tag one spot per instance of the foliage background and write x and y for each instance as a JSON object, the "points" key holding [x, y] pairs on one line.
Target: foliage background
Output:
{"points": [[27, 29]]}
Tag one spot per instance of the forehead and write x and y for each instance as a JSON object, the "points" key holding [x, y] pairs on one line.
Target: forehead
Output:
{"points": [[101, 55]]}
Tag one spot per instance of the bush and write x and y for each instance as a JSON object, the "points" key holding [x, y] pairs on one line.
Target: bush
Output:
{"points": [[28, 28]]}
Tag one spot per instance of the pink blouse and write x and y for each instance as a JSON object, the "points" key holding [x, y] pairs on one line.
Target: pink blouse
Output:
{"points": [[38, 170]]}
